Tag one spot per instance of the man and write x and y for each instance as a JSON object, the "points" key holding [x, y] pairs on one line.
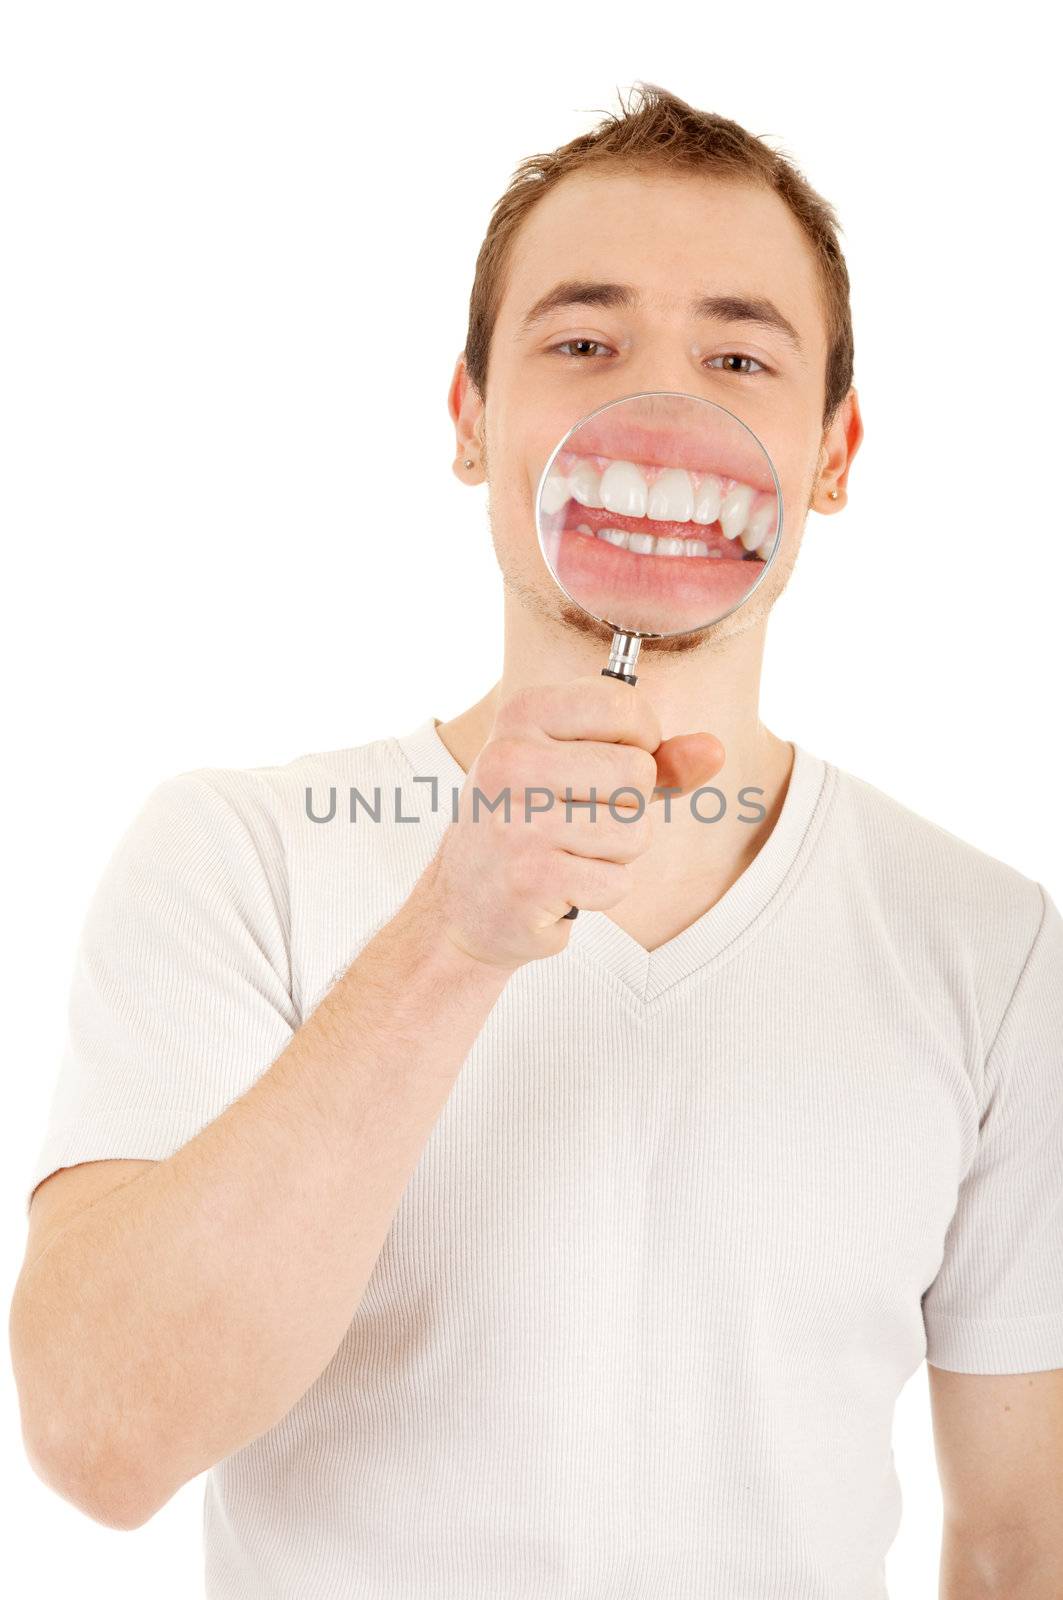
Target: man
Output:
{"points": [[477, 1249]]}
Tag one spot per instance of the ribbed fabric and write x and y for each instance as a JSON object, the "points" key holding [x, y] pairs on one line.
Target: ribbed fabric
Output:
{"points": [[686, 1225]]}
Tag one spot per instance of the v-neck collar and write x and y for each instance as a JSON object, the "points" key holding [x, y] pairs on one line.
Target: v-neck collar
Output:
{"points": [[718, 933]]}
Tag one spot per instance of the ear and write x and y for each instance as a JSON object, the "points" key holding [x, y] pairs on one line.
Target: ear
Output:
{"points": [[466, 411], [840, 444]]}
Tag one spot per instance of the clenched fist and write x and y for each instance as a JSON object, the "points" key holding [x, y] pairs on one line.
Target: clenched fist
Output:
{"points": [[502, 885]]}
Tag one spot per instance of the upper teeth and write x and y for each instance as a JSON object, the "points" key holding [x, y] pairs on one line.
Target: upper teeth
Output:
{"points": [[668, 495]]}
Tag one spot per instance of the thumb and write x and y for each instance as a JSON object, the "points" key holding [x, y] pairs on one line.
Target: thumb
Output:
{"points": [[688, 760]]}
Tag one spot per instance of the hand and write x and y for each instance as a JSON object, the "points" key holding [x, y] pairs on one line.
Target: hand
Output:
{"points": [[501, 888]]}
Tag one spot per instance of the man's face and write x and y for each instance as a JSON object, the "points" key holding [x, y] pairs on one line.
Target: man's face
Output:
{"points": [[672, 240]]}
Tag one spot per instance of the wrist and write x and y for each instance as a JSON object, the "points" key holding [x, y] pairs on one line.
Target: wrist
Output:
{"points": [[440, 946]]}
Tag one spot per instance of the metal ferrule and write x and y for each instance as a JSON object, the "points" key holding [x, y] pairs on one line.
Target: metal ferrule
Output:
{"points": [[623, 655]]}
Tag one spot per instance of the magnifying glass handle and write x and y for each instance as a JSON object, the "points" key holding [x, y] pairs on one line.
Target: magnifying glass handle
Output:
{"points": [[623, 653]]}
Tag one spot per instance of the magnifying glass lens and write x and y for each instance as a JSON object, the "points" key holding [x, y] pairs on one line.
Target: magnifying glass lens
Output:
{"points": [[659, 513]]}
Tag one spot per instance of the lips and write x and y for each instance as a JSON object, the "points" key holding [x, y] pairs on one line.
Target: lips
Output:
{"points": [[735, 455], [649, 594]]}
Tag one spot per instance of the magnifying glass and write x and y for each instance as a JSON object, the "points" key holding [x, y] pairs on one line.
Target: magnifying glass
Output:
{"points": [[658, 514]]}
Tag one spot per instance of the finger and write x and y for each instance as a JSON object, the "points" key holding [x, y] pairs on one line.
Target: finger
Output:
{"points": [[585, 708], [609, 835], [576, 769], [688, 760], [583, 881]]}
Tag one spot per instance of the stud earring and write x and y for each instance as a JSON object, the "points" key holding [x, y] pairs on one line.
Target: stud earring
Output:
{"points": [[833, 494], [468, 463]]}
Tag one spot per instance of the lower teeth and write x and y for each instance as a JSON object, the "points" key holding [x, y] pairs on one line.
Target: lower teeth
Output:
{"points": [[713, 555]]}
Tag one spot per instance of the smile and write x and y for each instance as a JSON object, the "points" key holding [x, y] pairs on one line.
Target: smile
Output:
{"points": [[698, 515]]}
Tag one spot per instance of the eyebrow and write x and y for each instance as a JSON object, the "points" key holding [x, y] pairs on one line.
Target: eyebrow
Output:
{"points": [[622, 297]]}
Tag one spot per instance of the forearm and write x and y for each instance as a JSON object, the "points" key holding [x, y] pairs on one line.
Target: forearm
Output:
{"points": [[185, 1313]]}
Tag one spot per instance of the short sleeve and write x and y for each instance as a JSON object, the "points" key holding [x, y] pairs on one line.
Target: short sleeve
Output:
{"points": [[996, 1304], [181, 989]]}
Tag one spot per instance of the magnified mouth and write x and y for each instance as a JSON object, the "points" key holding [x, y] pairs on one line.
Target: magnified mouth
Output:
{"points": [[656, 511], [657, 547]]}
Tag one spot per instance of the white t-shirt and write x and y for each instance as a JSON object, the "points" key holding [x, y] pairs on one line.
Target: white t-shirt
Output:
{"points": [[687, 1223]]}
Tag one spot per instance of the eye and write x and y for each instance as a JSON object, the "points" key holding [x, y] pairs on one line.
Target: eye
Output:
{"points": [[734, 355], [568, 348]]}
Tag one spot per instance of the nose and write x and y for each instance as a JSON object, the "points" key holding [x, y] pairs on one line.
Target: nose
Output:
{"points": [[661, 376]]}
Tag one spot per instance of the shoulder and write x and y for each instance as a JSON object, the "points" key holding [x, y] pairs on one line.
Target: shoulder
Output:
{"points": [[237, 828], [268, 801], [921, 870], [958, 920]]}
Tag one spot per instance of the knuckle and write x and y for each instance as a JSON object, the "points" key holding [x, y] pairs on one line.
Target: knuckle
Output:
{"points": [[646, 718], [616, 696], [607, 882], [645, 769], [637, 835], [519, 710], [497, 761], [633, 769]]}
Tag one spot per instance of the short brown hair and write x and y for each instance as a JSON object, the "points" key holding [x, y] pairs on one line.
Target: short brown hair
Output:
{"points": [[657, 129]]}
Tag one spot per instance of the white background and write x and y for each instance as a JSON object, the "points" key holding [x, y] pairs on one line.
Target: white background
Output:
{"points": [[238, 247]]}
